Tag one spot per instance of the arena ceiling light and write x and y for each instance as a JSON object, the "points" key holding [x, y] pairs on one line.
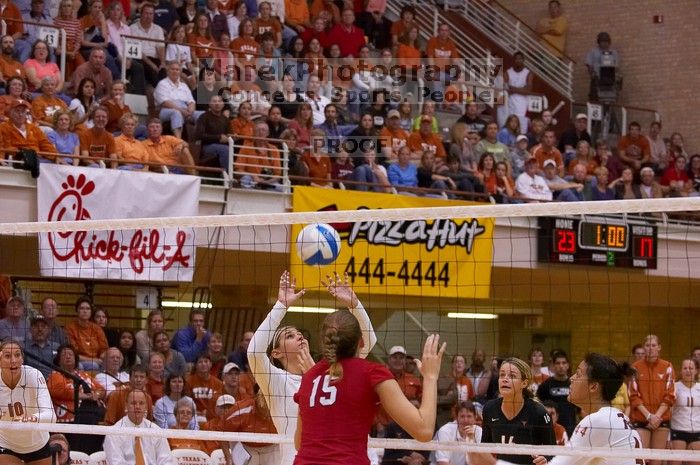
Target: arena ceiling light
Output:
{"points": [[294, 309], [473, 316], [176, 304]]}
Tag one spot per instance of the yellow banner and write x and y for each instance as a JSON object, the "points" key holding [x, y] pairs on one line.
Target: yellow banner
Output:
{"points": [[443, 258]]}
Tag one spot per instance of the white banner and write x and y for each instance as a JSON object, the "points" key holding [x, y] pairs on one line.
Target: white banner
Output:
{"points": [[67, 193]]}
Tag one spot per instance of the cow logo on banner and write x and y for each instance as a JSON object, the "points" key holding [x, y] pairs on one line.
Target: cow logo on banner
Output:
{"points": [[149, 254], [442, 258]]}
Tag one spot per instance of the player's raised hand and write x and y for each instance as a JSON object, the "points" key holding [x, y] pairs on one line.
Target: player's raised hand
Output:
{"points": [[306, 362], [288, 294], [340, 289], [430, 362]]}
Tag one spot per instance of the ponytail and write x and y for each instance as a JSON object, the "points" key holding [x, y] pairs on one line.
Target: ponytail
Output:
{"points": [[340, 337], [330, 349]]}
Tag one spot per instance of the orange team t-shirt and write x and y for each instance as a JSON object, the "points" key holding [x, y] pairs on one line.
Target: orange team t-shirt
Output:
{"points": [[393, 138], [241, 128], [199, 45], [204, 392], [432, 143], [261, 26], [246, 51], [163, 151], [130, 150], [116, 405], [246, 416], [12, 12], [89, 340], [10, 68], [296, 11], [591, 166], [97, 142], [541, 154], [641, 142], [35, 138], [408, 56], [44, 107], [399, 27], [114, 112], [442, 51], [262, 159], [319, 6], [319, 168]]}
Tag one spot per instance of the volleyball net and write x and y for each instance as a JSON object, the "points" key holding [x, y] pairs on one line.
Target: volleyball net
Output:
{"points": [[493, 280]]}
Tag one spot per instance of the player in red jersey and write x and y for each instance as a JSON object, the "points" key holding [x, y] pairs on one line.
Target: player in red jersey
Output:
{"points": [[338, 397]]}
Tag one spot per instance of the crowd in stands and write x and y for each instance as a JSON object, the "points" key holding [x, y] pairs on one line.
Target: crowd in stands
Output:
{"points": [[304, 74], [189, 381]]}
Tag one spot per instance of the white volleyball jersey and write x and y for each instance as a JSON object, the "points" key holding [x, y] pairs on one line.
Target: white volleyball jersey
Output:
{"points": [[608, 427], [29, 401]]}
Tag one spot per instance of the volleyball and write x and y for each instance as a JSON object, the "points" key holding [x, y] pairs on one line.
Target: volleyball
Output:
{"points": [[318, 244]]}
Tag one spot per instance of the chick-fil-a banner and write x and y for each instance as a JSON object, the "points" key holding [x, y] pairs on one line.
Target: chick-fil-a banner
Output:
{"points": [[67, 193]]}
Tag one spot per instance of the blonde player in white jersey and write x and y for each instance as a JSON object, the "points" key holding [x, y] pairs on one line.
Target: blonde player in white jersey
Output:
{"points": [[685, 416], [597, 380], [24, 397], [278, 370]]}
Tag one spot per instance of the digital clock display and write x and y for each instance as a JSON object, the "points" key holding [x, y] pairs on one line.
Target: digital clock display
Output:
{"points": [[603, 236], [611, 243]]}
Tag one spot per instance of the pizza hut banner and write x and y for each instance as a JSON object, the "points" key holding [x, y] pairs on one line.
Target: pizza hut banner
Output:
{"points": [[69, 193]]}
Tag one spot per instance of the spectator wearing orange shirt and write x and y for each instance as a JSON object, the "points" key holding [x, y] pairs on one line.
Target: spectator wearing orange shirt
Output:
{"points": [[203, 387], [260, 161], [326, 10], [652, 394], [317, 163], [454, 388], [426, 141], [155, 384], [129, 150], [245, 48], [9, 67], [297, 18], [17, 133], [116, 403], [392, 136], [633, 148], [547, 151], [46, 104], [87, 337], [62, 388], [265, 22], [442, 53], [200, 38], [409, 384], [96, 141], [405, 23], [167, 150]]}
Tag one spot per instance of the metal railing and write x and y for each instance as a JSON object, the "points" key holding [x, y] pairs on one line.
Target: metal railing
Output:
{"points": [[105, 163], [509, 32], [428, 18], [612, 119], [236, 169]]}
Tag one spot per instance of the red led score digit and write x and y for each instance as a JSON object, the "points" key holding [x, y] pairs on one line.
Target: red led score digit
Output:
{"points": [[645, 247], [565, 241]]}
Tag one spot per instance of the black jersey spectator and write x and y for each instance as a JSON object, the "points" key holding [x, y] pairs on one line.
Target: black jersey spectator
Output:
{"points": [[556, 388]]}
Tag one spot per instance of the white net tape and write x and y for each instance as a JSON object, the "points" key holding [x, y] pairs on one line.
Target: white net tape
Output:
{"points": [[408, 444], [268, 219]]}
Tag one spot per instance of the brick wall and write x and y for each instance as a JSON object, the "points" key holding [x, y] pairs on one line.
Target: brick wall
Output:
{"points": [[660, 62]]}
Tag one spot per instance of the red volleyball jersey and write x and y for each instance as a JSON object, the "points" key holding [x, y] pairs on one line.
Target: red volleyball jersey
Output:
{"points": [[337, 415]]}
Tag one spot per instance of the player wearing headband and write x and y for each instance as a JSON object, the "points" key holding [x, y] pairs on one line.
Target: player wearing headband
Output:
{"points": [[279, 356]]}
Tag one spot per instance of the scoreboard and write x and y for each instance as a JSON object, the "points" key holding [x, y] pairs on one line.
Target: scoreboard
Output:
{"points": [[600, 241]]}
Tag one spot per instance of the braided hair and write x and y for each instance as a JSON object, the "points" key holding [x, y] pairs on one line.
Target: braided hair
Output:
{"points": [[340, 337]]}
